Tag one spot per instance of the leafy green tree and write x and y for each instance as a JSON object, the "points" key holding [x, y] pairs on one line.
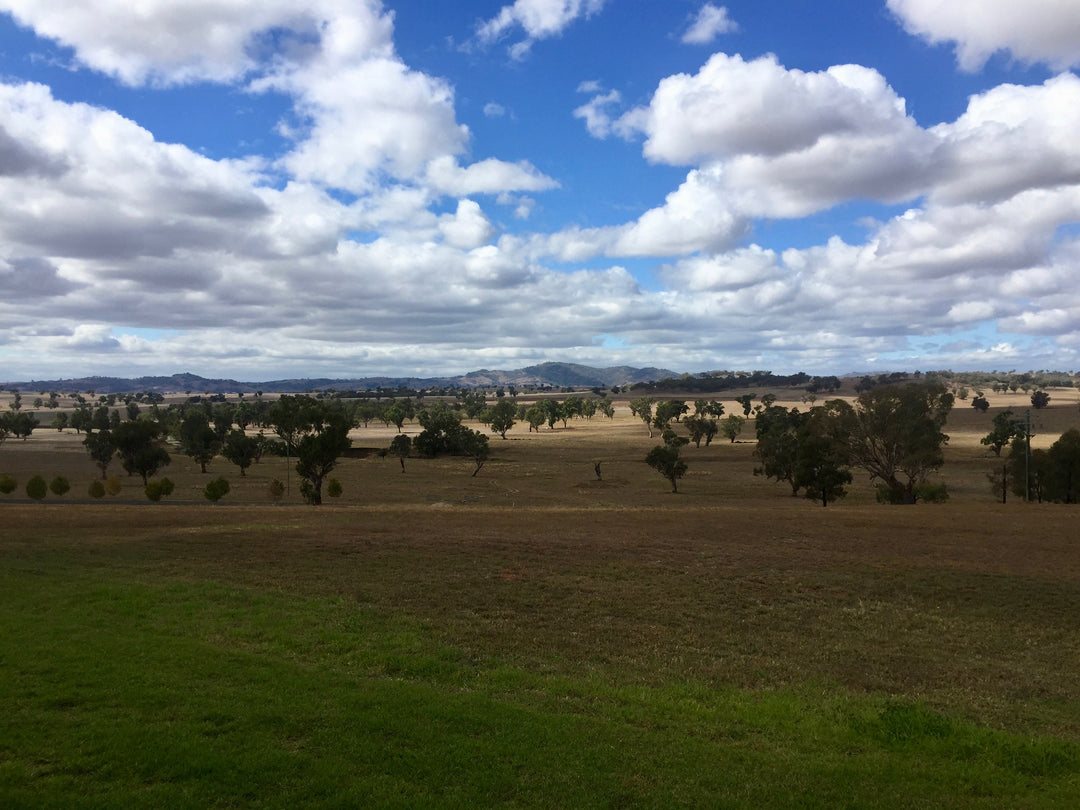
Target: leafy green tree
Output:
{"points": [[700, 427], [664, 458], [668, 411], [573, 406], [102, 449], [317, 453], [223, 416], [822, 468], [400, 447], [102, 418], [1040, 399], [36, 488], [980, 403], [472, 403], [294, 416], [746, 400], [605, 407], [244, 415], [441, 429], [138, 445], [553, 412], [708, 407], [394, 415], [364, 411], [21, 424], [1006, 428], [534, 415], [642, 408], [896, 436], [732, 425], [60, 421], [82, 419], [1029, 472], [501, 417], [1063, 468], [778, 444], [240, 449], [198, 440], [475, 445]]}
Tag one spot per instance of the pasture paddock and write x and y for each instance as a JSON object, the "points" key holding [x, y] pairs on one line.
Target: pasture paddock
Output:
{"points": [[535, 637]]}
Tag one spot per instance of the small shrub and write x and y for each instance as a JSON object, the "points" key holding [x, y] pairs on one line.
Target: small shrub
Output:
{"points": [[277, 490], [36, 488], [925, 493], [886, 494], [167, 487], [113, 485], [96, 490], [216, 490], [307, 491], [932, 493], [7, 484], [153, 491], [59, 486], [333, 488]]}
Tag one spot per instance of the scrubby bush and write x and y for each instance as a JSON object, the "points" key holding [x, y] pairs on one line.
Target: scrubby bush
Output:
{"points": [[153, 491], [277, 490], [925, 492], [36, 488], [96, 489], [59, 486], [216, 490], [932, 493], [7, 484], [307, 492], [160, 488], [333, 488], [113, 485]]}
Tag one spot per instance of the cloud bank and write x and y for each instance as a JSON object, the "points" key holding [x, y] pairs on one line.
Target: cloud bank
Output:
{"points": [[375, 242]]}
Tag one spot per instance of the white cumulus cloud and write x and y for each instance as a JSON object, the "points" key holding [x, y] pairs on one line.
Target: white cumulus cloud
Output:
{"points": [[1046, 31], [540, 19], [709, 23]]}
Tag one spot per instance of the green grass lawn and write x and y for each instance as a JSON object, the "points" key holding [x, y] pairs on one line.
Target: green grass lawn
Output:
{"points": [[770, 654]]}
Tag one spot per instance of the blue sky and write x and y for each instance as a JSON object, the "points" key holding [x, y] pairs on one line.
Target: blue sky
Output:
{"points": [[271, 188]]}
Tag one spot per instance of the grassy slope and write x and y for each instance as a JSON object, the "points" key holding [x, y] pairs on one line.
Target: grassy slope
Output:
{"points": [[536, 638]]}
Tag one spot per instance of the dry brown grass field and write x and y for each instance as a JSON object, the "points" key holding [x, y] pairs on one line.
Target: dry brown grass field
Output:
{"points": [[549, 468]]}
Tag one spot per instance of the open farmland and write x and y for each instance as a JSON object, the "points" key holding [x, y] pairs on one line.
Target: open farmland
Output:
{"points": [[534, 636]]}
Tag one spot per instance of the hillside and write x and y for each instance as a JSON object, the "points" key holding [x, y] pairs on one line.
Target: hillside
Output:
{"points": [[556, 375]]}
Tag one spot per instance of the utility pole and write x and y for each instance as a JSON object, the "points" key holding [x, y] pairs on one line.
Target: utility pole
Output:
{"points": [[1027, 457]]}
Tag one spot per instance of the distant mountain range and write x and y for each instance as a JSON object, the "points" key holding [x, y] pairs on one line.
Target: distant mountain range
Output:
{"points": [[556, 375]]}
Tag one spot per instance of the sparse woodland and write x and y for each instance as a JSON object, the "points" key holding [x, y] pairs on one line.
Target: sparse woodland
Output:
{"points": [[893, 433]]}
